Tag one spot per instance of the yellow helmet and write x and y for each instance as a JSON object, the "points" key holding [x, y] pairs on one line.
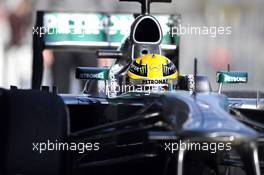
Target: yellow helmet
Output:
{"points": [[153, 70]]}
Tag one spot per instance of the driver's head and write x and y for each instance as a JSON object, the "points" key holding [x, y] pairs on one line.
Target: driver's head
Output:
{"points": [[153, 71]]}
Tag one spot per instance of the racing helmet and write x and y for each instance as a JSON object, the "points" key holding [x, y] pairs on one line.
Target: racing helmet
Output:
{"points": [[153, 71]]}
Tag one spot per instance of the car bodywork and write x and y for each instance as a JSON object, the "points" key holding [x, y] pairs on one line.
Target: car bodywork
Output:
{"points": [[138, 131]]}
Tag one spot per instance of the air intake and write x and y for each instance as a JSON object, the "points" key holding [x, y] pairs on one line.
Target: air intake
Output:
{"points": [[146, 29]]}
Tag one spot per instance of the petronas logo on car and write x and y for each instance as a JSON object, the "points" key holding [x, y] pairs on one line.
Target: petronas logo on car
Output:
{"points": [[165, 81], [235, 79], [94, 76], [232, 77]]}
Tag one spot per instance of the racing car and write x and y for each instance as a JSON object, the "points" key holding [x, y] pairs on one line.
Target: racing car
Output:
{"points": [[145, 118]]}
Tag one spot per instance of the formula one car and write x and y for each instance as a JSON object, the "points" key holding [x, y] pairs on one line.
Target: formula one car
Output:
{"points": [[145, 118]]}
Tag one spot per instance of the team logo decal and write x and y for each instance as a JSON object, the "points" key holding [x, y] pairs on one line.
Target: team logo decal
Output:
{"points": [[164, 81], [155, 67]]}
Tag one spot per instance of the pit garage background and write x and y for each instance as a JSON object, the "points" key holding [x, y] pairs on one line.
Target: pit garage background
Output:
{"points": [[243, 49]]}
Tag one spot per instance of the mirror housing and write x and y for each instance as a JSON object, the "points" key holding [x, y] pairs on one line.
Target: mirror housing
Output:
{"points": [[230, 77]]}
